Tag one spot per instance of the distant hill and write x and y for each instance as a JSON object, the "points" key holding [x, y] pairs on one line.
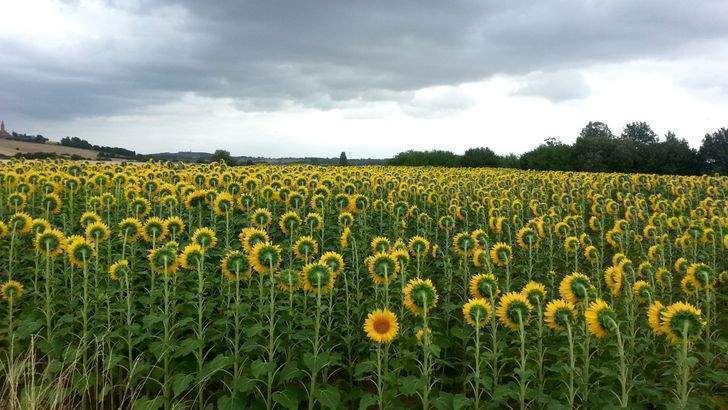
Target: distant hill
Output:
{"points": [[10, 147], [191, 156]]}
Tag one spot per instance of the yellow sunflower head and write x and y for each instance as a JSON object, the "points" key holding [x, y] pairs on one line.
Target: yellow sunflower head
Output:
{"points": [[119, 269], [682, 320], [164, 259], [420, 296], [642, 291], [335, 262], [131, 229], [380, 244], [79, 251], [50, 242], [702, 274], [654, 317], [192, 255], [305, 248], [289, 222], [599, 318], [514, 310], [613, 278], [559, 315], [575, 288], [250, 237], [526, 237], [175, 226], [265, 256], [477, 312], [235, 266], [205, 237], [11, 290], [154, 230], [381, 326], [97, 232], [383, 268], [535, 293], [288, 280], [484, 285], [317, 277], [500, 254], [261, 217]]}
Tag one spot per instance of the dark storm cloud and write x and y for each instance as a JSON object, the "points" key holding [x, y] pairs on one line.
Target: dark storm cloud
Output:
{"points": [[266, 55]]}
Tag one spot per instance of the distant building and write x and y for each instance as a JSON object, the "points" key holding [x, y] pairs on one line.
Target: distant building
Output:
{"points": [[3, 133]]}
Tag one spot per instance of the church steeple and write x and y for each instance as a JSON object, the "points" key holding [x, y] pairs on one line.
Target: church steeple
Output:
{"points": [[2, 127]]}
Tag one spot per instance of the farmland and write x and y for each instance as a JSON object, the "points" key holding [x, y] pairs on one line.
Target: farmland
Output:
{"points": [[168, 285]]}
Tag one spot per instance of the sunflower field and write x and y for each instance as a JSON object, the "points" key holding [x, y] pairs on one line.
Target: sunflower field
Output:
{"points": [[170, 285]]}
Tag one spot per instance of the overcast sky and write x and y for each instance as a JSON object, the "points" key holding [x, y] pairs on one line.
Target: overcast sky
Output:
{"points": [[295, 78]]}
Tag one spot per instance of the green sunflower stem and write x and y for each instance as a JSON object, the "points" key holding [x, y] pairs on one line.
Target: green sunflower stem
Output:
{"points": [[426, 357], [476, 381], [572, 365], [317, 330], [522, 364], [623, 379], [271, 338], [683, 390]]}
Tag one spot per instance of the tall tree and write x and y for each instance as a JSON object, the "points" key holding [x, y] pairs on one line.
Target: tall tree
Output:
{"points": [[596, 129], [342, 159], [480, 157], [639, 132], [714, 151]]}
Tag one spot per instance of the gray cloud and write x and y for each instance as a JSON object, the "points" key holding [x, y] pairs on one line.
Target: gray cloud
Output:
{"points": [[269, 55], [556, 87]]}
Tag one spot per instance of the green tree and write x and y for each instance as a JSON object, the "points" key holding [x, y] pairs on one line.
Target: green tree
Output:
{"points": [[639, 132], [714, 151], [342, 159], [596, 129], [552, 155], [222, 156], [480, 157]]}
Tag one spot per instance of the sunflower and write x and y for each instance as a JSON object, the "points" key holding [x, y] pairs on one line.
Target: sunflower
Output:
{"points": [[317, 277], [689, 285], [500, 254], [381, 326], [477, 312], [52, 202], [288, 280], [535, 293], [174, 225], [11, 290], [50, 241], [131, 229], [205, 237], [314, 221], [97, 232], [654, 317], [480, 237], [153, 230], [401, 256], [383, 267], [702, 274], [575, 288], [235, 266], [335, 261], [250, 237], [164, 259], [195, 198], [463, 243], [20, 223], [305, 248], [289, 222], [380, 244], [480, 258], [484, 285], [39, 225], [559, 313], [119, 268], [571, 244], [345, 219], [681, 320], [191, 256], [265, 256], [223, 203], [663, 276], [79, 251], [513, 310], [420, 295], [599, 316], [418, 246], [344, 239], [681, 265], [526, 238], [4, 230], [642, 291], [261, 217], [591, 253], [613, 277]]}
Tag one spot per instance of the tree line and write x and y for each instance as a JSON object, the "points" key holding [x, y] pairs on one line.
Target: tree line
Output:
{"points": [[638, 149], [104, 151]]}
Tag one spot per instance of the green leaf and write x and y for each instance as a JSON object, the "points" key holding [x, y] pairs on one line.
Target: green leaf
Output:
{"points": [[448, 401], [145, 404], [258, 368], [367, 401], [287, 399], [290, 372], [220, 362], [232, 402], [329, 397], [180, 382], [410, 385], [365, 368], [245, 384]]}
